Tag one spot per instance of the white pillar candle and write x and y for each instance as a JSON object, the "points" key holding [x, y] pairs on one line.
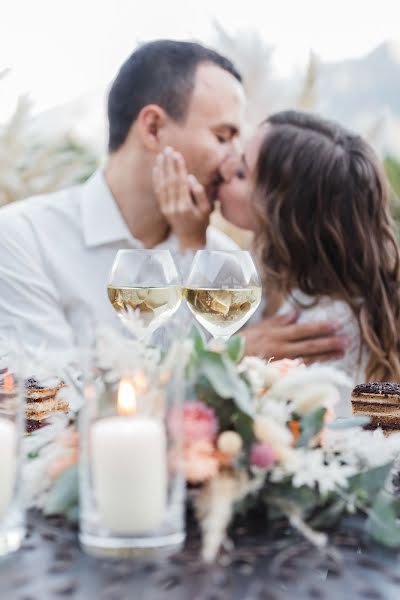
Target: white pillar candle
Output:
{"points": [[8, 462], [129, 469]]}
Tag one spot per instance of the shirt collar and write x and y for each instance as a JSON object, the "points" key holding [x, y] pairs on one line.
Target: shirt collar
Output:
{"points": [[101, 218]]}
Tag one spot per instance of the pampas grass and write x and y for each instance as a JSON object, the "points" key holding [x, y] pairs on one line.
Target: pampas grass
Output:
{"points": [[31, 165], [214, 506]]}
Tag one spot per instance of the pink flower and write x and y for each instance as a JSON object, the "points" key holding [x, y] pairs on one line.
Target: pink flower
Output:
{"points": [[198, 422], [200, 461], [262, 455]]}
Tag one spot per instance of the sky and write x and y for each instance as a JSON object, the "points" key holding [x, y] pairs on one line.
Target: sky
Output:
{"points": [[58, 50]]}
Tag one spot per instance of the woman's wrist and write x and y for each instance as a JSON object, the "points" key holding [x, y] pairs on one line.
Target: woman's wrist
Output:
{"points": [[192, 243]]}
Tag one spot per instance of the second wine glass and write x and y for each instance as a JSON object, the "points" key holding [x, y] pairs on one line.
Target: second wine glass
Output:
{"points": [[223, 290]]}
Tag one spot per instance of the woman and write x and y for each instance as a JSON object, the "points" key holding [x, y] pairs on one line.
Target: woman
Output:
{"points": [[317, 199]]}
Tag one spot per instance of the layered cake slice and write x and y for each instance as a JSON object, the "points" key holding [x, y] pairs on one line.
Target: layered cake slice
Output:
{"points": [[43, 399], [380, 402]]}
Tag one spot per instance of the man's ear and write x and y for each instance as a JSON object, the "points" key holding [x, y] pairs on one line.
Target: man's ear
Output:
{"points": [[149, 125]]}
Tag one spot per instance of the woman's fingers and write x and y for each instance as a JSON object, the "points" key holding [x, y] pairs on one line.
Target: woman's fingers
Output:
{"points": [[314, 348], [184, 201], [170, 179], [159, 183], [170, 182], [202, 203]]}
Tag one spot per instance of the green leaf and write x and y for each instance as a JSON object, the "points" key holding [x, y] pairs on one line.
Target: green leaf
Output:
{"points": [[198, 338], [227, 383], [235, 348], [370, 482], [345, 423], [243, 424], [329, 515], [304, 497], [310, 425], [382, 524], [64, 494], [73, 513]]}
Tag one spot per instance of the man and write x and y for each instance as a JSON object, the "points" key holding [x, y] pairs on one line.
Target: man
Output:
{"points": [[56, 251]]}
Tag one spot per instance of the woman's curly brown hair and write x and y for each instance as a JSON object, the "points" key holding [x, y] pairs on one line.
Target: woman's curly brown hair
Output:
{"points": [[325, 228]]}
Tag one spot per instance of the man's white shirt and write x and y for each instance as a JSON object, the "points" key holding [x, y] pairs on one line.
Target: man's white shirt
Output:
{"points": [[56, 254]]}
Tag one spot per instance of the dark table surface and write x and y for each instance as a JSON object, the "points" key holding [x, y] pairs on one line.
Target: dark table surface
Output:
{"points": [[50, 565]]}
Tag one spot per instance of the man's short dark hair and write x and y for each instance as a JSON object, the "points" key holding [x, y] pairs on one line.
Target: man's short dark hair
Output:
{"points": [[162, 73]]}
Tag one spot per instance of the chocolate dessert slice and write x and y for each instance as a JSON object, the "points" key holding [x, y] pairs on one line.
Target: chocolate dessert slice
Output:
{"points": [[380, 402], [43, 399]]}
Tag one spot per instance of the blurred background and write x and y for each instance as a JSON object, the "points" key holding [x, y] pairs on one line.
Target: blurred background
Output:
{"points": [[340, 59]]}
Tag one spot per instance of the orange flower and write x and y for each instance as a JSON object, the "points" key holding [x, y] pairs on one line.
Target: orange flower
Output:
{"points": [[294, 427], [225, 460]]}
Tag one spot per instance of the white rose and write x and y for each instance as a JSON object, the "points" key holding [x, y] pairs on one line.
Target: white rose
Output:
{"points": [[271, 375], [314, 395], [260, 373]]}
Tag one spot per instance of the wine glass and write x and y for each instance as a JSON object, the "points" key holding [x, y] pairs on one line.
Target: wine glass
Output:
{"points": [[144, 289], [223, 290]]}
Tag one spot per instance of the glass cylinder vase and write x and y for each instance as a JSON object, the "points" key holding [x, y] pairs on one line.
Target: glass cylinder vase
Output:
{"points": [[132, 491], [12, 513]]}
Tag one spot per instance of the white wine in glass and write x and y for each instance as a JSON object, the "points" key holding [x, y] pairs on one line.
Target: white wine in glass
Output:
{"points": [[223, 311], [144, 289], [154, 305], [222, 291]]}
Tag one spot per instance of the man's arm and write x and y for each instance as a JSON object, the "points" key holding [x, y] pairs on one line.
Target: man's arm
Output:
{"points": [[28, 298], [281, 337]]}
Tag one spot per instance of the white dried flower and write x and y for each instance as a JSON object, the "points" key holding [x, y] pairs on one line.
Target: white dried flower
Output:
{"points": [[297, 380], [275, 409], [269, 431], [362, 449], [314, 395], [230, 442], [260, 373], [310, 468], [214, 508]]}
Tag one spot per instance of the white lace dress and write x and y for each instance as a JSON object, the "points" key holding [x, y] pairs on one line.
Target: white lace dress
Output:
{"points": [[338, 311]]}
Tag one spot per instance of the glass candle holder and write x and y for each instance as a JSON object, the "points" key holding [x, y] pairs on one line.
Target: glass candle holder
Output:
{"points": [[132, 491], [12, 514]]}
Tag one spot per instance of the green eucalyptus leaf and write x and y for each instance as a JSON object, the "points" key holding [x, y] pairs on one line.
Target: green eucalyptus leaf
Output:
{"points": [[358, 421], [329, 515], [73, 513], [311, 424], [382, 524], [370, 482], [304, 497], [227, 383], [64, 494], [199, 340], [243, 424], [235, 348]]}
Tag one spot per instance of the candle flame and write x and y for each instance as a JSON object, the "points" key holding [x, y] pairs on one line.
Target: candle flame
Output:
{"points": [[140, 381], [126, 397]]}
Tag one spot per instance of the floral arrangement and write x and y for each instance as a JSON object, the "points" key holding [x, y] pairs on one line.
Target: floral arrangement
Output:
{"points": [[263, 434]]}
